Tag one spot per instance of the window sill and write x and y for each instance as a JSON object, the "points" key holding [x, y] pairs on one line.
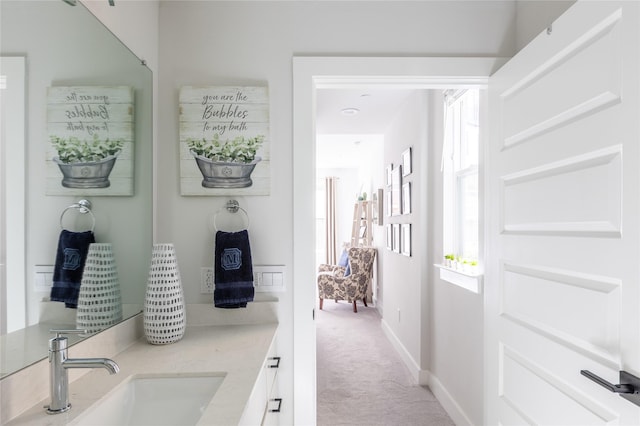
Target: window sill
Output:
{"points": [[468, 280]]}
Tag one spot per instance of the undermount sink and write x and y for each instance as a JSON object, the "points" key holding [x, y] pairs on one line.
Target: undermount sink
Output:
{"points": [[162, 399]]}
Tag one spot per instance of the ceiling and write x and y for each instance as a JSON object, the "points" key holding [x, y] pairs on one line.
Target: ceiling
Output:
{"points": [[345, 141], [376, 108]]}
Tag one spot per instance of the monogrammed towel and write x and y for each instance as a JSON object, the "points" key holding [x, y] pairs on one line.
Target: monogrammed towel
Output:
{"points": [[67, 273], [233, 270]]}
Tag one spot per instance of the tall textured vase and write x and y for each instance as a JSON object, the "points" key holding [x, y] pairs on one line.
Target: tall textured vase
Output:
{"points": [[164, 310], [99, 301]]}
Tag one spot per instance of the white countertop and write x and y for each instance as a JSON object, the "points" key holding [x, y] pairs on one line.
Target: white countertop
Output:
{"points": [[235, 350]]}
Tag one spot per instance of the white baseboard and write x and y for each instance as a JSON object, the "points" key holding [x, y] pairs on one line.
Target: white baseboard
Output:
{"points": [[408, 360], [425, 378], [449, 404]]}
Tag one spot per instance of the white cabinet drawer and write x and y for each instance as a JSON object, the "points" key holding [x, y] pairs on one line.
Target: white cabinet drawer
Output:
{"points": [[263, 407]]}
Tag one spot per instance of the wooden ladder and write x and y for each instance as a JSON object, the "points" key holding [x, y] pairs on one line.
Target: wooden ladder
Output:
{"points": [[361, 227]]}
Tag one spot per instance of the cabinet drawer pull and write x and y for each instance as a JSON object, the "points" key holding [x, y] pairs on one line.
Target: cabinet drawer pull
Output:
{"points": [[277, 360], [276, 410]]}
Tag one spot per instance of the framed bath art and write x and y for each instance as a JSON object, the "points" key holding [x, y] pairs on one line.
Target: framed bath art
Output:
{"points": [[224, 140], [91, 140]]}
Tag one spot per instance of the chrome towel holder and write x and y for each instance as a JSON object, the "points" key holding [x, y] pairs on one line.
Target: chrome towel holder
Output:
{"points": [[83, 206], [232, 206]]}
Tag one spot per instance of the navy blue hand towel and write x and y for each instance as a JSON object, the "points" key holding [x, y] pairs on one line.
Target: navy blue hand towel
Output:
{"points": [[67, 273], [233, 270]]}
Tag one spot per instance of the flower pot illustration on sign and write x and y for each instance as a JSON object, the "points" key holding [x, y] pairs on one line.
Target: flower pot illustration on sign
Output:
{"points": [[86, 164], [227, 164]]}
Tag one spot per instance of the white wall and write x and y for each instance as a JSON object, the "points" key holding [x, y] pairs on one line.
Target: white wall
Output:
{"points": [[401, 287], [229, 43], [456, 315]]}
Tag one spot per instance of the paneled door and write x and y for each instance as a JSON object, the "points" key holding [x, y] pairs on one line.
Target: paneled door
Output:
{"points": [[563, 191]]}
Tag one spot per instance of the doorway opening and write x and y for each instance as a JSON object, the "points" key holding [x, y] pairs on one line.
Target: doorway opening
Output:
{"points": [[310, 75]]}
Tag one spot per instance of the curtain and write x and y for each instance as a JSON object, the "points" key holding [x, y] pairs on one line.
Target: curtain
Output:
{"points": [[330, 222]]}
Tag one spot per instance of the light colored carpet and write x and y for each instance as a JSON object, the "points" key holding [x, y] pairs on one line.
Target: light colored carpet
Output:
{"points": [[361, 379]]}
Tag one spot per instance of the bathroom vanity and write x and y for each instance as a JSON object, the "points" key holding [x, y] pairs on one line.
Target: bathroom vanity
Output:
{"points": [[244, 355]]}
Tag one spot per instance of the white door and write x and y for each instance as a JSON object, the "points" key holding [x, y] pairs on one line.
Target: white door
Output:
{"points": [[563, 190]]}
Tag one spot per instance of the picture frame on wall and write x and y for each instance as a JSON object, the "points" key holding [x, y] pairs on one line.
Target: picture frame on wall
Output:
{"points": [[388, 171], [389, 203], [396, 237], [406, 162], [224, 140], [396, 196], [406, 198], [389, 241], [405, 239]]}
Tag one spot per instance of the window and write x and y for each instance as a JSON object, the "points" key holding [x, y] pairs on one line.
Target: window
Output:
{"points": [[460, 177]]}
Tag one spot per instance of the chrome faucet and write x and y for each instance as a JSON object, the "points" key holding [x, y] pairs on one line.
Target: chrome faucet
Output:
{"points": [[58, 365]]}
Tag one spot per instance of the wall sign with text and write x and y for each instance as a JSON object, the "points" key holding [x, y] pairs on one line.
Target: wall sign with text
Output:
{"points": [[91, 140], [224, 140]]}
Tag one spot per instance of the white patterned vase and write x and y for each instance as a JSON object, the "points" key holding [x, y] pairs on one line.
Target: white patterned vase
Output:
{"points": [[164, 310], [99, 301]]}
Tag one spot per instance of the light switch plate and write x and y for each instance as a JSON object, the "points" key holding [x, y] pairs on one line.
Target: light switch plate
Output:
{"points": [[43, 278], [269, 278]]}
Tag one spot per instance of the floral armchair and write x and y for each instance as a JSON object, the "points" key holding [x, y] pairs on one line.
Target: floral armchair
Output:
{"points": [[333, 284]]}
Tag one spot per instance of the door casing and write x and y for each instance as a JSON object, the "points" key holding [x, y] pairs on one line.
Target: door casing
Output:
{"points": [[309, 75]]}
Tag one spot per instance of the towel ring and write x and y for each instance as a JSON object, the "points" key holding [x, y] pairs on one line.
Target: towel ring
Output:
{"points": [[232, 206], [83, 207]]}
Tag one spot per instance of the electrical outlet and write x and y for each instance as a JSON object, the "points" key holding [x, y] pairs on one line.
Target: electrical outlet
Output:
{"points": [[206, 280]]}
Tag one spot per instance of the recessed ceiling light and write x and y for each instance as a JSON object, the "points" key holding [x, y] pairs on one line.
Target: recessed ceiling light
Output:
{"points": [[350, 111]]}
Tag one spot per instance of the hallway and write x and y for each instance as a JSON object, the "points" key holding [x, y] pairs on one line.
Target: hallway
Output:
{"points": [[360, 377]]}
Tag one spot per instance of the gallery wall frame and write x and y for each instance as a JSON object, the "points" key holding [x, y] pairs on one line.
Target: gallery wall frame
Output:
{"points": [[405, 239], [396, 237], [406, 198], [388, 171], [396, 195], [406, 162]]}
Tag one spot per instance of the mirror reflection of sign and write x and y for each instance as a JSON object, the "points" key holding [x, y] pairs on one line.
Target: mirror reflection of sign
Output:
{"points": [[90, 127]]}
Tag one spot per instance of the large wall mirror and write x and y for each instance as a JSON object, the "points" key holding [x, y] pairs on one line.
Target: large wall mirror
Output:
{"points": [[50, 44]]}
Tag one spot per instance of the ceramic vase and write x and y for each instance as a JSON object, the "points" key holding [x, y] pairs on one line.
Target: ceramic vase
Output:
{"points": [[99, 301], [164, 310]]}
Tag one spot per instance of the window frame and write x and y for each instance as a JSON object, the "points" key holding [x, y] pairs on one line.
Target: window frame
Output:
{"points": [[454, 139]]}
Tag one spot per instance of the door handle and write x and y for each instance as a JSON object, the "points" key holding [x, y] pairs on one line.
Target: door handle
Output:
{"points": [[276, 410], [277, 362], [629, 387]]}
